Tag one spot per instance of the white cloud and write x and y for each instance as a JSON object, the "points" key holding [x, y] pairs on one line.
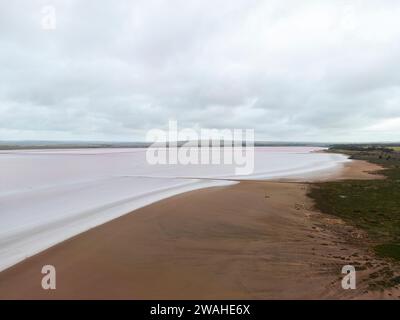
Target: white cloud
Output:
{"points": [[292, 70]]}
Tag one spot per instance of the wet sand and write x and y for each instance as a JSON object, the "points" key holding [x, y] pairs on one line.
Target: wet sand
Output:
{"points": [[252, 240]]}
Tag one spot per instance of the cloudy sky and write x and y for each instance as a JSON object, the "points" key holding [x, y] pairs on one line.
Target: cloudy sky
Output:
{"points": [[111, 70]]}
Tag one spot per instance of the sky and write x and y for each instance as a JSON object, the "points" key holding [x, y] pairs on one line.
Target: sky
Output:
{"points": [[301, 70]]}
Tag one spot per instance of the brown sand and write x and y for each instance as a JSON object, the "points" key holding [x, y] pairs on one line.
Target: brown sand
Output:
{"points": [[253, 240], [359, 170]]}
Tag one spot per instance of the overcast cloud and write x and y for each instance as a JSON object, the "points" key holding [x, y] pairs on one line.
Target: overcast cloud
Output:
{"points": [[111, 70]]}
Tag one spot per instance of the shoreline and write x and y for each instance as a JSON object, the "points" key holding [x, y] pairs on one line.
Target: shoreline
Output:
{"points": [[46, 206], [250, 240]]}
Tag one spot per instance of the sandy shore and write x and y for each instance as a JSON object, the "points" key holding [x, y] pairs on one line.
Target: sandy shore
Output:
{"points": [[253, 240]]}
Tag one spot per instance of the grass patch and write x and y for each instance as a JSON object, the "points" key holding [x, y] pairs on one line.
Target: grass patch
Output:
{"points": [[371, 205], [391, 250]]}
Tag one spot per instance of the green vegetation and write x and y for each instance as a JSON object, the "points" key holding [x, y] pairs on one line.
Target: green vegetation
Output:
{"points": [[388, 250], [372, 205]]}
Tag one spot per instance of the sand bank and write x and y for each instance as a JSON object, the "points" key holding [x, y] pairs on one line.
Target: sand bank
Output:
{"points": [[252, 240]]}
